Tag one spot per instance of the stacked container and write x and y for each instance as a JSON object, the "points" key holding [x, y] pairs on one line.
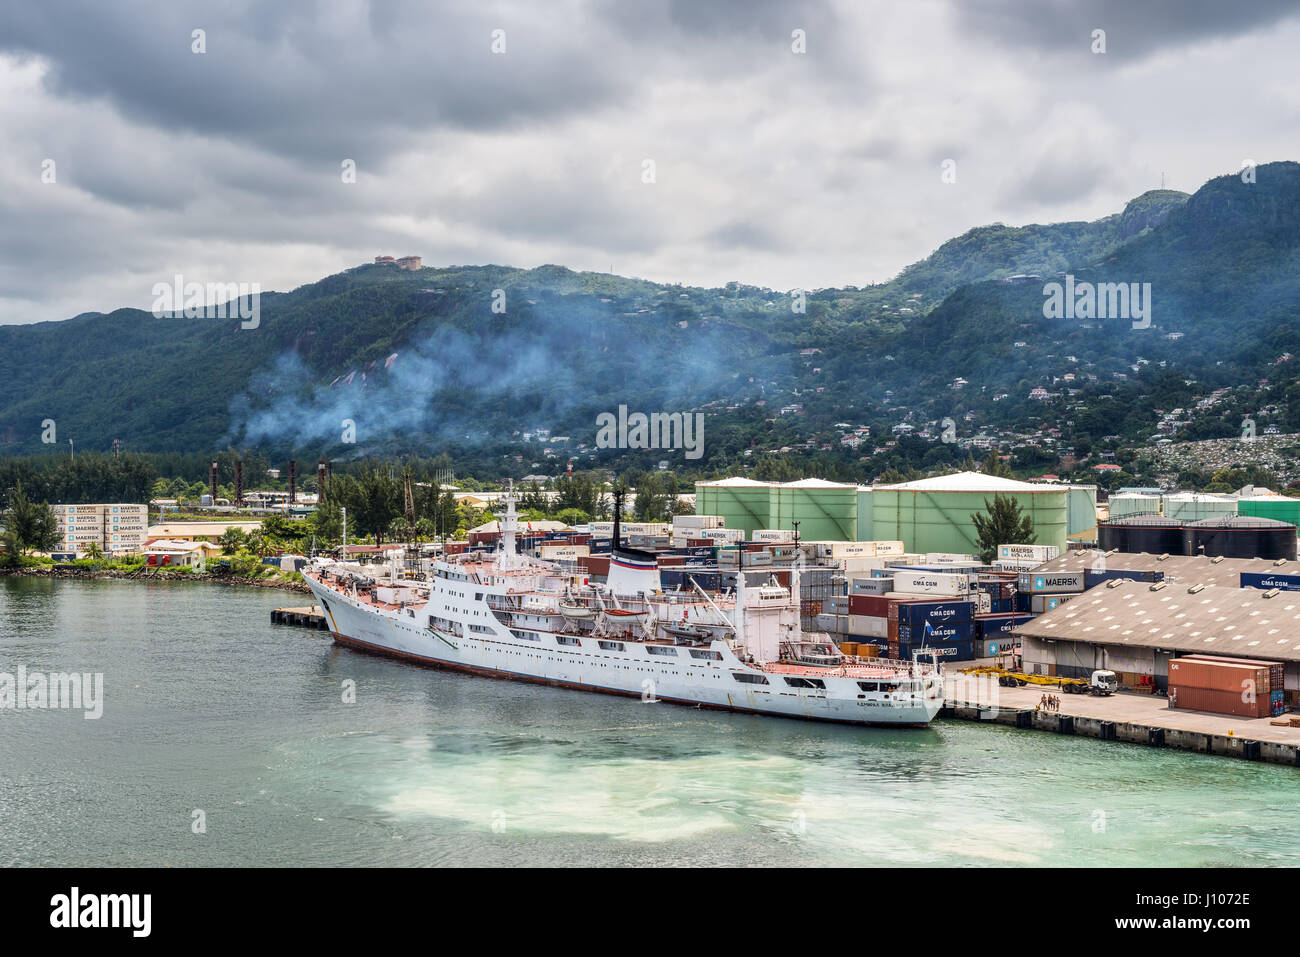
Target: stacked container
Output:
{"points": [[1221, 686]]}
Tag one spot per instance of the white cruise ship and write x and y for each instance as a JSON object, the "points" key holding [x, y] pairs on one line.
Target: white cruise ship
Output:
{"points": [[507, 615]]}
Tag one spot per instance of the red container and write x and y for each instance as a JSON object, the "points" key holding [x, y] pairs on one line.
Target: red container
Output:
{"points": [[1218, 702], [669, 561], [870, 606], [1276, 669], [595, 564], [699, 542], [1218, 675]]}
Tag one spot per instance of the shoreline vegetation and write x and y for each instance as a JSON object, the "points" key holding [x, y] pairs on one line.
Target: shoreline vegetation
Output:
{"points": [[285, 581]]}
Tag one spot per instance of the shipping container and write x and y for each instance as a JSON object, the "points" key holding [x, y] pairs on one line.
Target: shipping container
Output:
{"points": [[1187, 698], [916, 613], [698, 521], [930, 583], [875, 606], [994, 626], [1028, 553], [958, 651], [939, 633], [871, 586], [1091, 579], [1042, 583], [1041, 604], [1276, 669], [1219, 675], [870, 627], [1268, 582]]}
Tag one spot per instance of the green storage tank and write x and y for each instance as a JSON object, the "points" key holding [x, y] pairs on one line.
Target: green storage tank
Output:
{"points": [[742, 503], [1128, 504], [1277, 507], [1081, 509], [864, 514], [934, 514], [825, 511]]}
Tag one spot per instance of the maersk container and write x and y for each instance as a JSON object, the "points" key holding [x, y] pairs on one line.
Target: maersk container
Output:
{"points": [[1028, 553], [1041, 604], [1053, 583], [872, 586]]}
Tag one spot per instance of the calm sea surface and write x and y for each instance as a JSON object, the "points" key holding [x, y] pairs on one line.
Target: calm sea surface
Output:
{"points": [[210, 708]]}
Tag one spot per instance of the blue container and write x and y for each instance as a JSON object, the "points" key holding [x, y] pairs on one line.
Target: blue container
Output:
{"points": [[1094, 578], [935, 612], [990, 628], [1267, 581], [939, 633], [956, 651]]}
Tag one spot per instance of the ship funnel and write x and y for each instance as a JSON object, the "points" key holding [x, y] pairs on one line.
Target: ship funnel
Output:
{"points": [[631, 571]]}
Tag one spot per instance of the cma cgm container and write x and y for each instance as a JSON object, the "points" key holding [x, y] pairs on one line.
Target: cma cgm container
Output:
{"points": [[1053, 583], [930, 583], [1267, 582], [917, 613], [989, 627], [955, 651], [939, 633]]}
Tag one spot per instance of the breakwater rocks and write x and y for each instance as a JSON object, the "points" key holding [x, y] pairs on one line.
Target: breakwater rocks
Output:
{"points": [[216, 578]]}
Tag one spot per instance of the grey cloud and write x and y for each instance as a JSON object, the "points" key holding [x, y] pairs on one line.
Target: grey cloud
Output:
{"points": [[1133, 29]]}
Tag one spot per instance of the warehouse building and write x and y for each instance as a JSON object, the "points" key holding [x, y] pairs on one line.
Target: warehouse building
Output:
{"points": [[1135, 628], [1185, 569]]}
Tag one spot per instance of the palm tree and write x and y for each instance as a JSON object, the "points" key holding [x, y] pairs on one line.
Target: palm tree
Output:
{"points": [[94, 552], [231, 539]]}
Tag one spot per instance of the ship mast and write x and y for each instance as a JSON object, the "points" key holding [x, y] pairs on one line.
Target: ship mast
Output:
{"points": [[507, 559]]}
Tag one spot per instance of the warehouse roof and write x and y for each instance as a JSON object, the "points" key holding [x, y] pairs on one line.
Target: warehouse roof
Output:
{"points": [[1218, 620], [1185, 569], [971, 482]]}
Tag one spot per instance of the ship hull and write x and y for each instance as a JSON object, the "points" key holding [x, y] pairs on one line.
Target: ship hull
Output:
{"points": [[632, 671]]}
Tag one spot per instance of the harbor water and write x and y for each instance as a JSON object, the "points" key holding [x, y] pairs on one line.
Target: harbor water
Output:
{"points": [[226, 740]]}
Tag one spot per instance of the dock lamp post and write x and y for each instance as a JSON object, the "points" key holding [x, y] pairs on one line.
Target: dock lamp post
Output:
{"points": [[345, 532]]}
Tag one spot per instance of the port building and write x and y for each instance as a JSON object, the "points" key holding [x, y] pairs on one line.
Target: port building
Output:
{"points": [[1134, 628]]}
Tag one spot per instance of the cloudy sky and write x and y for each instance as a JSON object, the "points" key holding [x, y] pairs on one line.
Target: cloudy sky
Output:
{"points": [[770, 166]]}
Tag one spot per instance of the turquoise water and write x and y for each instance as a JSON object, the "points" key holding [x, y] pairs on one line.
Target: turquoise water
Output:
{"points": [[208, 707]]}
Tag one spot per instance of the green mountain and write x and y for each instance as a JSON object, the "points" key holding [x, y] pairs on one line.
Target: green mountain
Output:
{"points": [[467, 359]]}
